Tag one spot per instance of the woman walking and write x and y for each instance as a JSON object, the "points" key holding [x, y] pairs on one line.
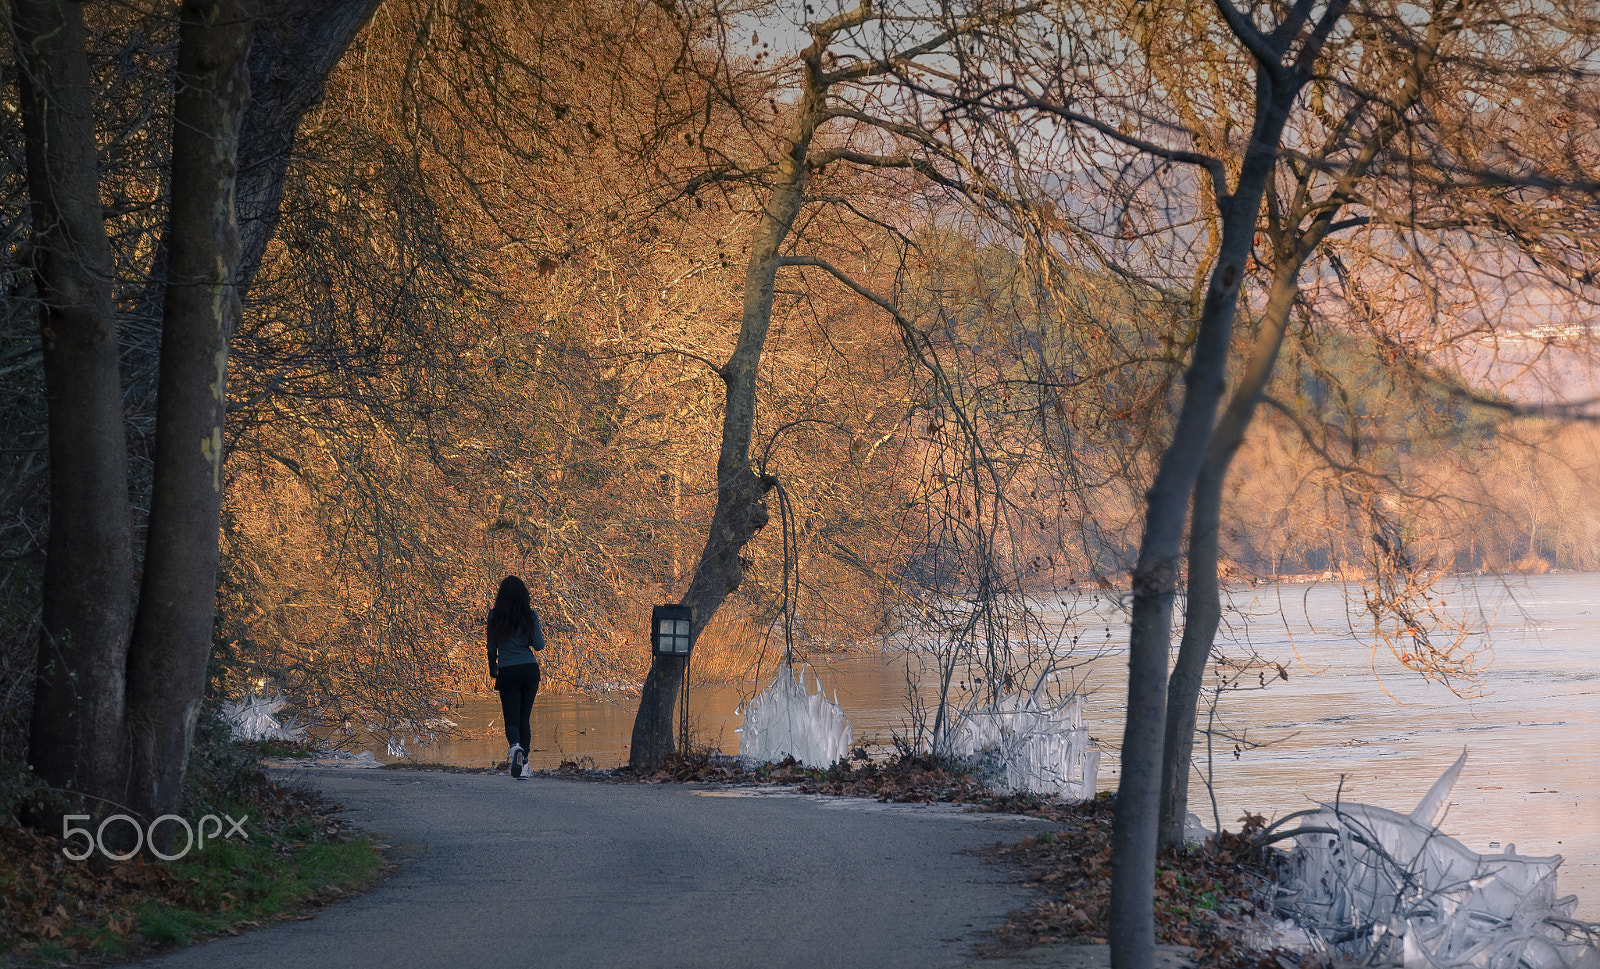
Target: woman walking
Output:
{"points": [[514, 636]]}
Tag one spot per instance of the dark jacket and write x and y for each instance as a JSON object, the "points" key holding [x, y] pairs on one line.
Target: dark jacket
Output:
{"points": [[515, 649]]}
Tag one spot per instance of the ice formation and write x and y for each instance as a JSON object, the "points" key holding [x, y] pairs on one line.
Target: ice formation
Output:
{"points": [[255, 718], [1365, 878], [1031, 748], [343, 758], [784, 720], [422, 735]]}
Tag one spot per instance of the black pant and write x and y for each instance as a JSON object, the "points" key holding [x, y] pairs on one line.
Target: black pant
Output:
{"points": [[518, 685]]}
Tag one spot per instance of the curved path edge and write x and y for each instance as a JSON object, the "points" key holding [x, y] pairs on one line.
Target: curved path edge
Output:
{"points": [[573, 874]]}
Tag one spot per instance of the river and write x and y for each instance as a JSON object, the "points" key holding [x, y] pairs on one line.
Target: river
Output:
{"points": [[1346, 714]]}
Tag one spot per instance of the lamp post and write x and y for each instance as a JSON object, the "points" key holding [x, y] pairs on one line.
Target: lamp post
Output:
{"points": [[670, 627]]}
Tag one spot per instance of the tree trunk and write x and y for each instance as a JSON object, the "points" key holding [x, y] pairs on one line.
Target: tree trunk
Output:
{"points": [[297, 44], [1155, 575], [1203, 611], [75, 740], [88, 686], [172, 633], [1204, 605], [1155, 578], [741, 510]]}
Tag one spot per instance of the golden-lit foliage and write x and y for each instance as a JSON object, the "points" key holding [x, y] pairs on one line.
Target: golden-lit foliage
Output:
{"points": [[485, 340]]}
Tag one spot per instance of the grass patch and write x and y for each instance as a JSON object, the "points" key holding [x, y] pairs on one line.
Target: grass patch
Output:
{"points": [[161, 924], [299, 749], [297, 857]]}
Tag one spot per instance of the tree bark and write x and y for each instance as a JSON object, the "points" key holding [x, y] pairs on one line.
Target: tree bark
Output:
{"points": [[741, 510], [78, 699], [1155, 575], [1133, 848], [92, 686], [172, 632], [1203, 610], [297, 44]]}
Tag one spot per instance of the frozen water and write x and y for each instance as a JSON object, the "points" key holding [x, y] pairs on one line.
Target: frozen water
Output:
{"points": [[1365, 878], [343, 758], [1030, 748], [785, 720], [255, 718], [1195, 830], [426, 733]]}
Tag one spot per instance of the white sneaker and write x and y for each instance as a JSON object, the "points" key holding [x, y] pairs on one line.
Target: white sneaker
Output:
{"points": [[517, 758]]}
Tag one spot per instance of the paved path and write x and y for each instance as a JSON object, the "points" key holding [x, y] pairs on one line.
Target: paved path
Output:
{"points": [[501, 873]]}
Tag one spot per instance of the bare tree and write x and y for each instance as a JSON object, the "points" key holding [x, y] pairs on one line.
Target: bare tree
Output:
{"points": [[1299, 216], [1277, 194], [78, 699], [453, 368], [172, 632], [1284, 58], [845, 85], [114, 718]]}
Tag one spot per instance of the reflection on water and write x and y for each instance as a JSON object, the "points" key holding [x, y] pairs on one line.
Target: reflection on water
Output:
{"points": [[1532, 776]]}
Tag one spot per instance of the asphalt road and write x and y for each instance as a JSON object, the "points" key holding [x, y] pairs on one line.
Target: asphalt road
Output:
{"points": [[497, 872]]}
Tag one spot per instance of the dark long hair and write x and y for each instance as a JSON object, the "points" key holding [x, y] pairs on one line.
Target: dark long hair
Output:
{"points": [[512, 612]]}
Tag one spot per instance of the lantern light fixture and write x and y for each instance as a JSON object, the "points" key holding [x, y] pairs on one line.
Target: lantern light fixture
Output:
{"points": [[669, 630]]}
